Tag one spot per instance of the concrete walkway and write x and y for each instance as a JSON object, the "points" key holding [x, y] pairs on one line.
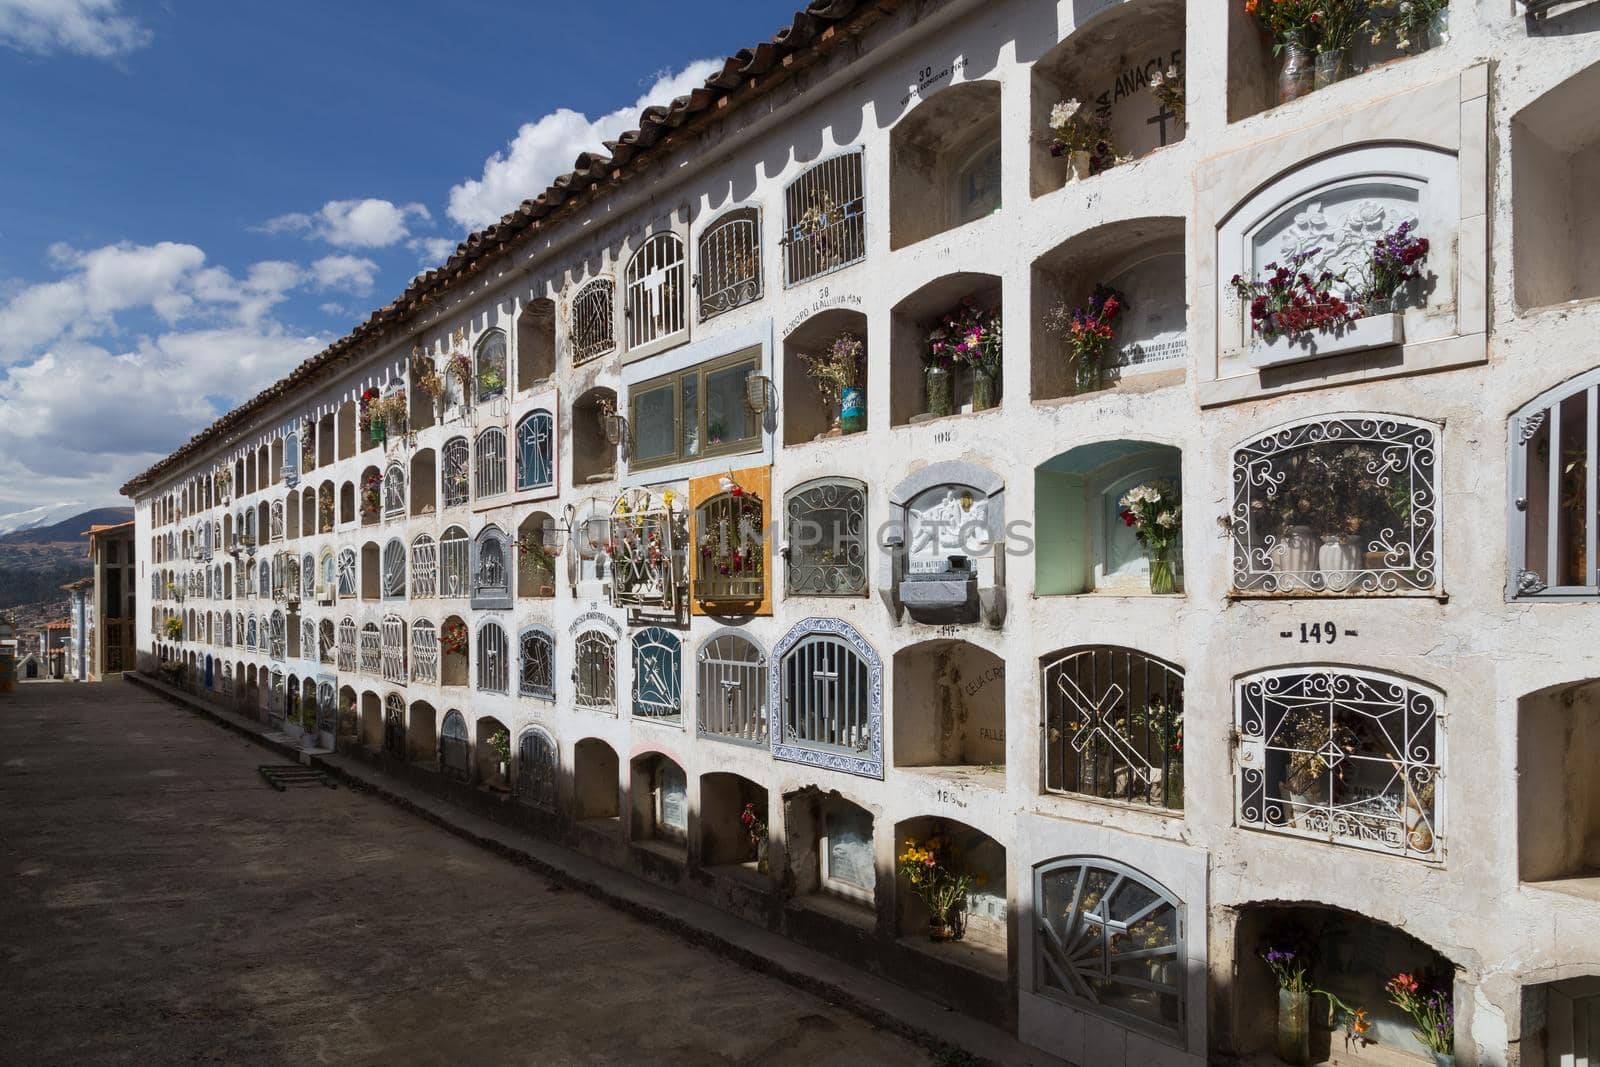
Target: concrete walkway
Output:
{"points": [[412, 916]]}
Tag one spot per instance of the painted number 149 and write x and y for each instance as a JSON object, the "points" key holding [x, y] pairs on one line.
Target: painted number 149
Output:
{"points": [[1318, 633]]}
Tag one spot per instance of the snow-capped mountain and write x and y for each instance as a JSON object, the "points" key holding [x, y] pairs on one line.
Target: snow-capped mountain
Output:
{"points": [[37, 518]]}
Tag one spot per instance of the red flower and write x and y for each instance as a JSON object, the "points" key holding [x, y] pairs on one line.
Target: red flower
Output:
{"points": [[1128, 517]]}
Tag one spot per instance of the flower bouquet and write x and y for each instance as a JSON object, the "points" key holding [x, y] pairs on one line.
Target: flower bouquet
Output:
{"points": [[1431, 1010], [837, 372], [1289, 301], [966, 336], [1396, 260], [1292, 25], [1089, 331], [453, 639], [371, 494], [934, 870], [756, 827], [1155, 511], [1082, 137]]}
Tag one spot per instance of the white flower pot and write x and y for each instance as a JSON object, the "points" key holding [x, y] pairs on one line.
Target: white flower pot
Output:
{"points": [[1374, 331], [1077, 166], [1339, 561], [1294, 556]]}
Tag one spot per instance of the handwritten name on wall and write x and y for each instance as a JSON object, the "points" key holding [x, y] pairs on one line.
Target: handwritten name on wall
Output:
{"points": [[929, 77]]}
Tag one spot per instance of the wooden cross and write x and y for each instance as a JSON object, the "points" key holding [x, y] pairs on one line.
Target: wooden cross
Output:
{"points": [[1161, 117]]}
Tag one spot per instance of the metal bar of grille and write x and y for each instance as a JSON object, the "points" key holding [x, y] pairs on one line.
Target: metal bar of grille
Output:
{"points": [[592, 332], [730, 264], [1552, 561], [424, 568], [824, 218], [1589, 508]]}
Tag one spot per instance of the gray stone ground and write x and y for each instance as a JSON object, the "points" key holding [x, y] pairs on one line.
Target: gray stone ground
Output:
{"points": [[161, 904]]}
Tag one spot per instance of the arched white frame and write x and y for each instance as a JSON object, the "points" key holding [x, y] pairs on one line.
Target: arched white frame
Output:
{"points": [[347, 572], [455, 750], [493, 669], [394, 649], [424, 568], [489, 365], [536, 676], [1552, 459], [536, 457], [1114, 726], [731, 699], [824, 545], [824, 218], [455, 463], [347, 644], [826, 687], [1110, 940], [655, 288], [538, 766], [593, 326], [394, 492], [1344, 503], [454, 562], [490, 463], [1343, 755], [394, 570], [424, 651], [729, 264], [371, 649]]}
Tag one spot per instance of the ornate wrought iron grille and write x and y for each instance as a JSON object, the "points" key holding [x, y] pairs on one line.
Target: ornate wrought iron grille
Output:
{"points": [[308, 638], [1553, 462], [424, 651], [491, 362], [536, 451], [456, 458], [394, 570], [277, 520], [536, 769], [491, 463], [347, 572], [592, 328], [394, 725], [655, 290], [1341, 755], [731, 555], [827, 691], [394, 492], [1112, 939], [264, 583], [824, 218], [454, 555], [325, 641], [327, 708], [347, 645], [308, 577], [227, 629], [657, 678], [492, 667], [1337, 505], [455, 753], [730, 263], [394, 649], [424, 568], [1114, 726], [371, 649], [732, 704], [825, 551], [644, 563], [537, 677], [250, 633], [595, 671]]}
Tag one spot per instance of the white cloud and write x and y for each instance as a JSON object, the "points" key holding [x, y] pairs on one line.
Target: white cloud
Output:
{"points": [[432, 251], [353, 274], [546, 148], [96, 417], [169, 280], [368, 223], [95, 28]]}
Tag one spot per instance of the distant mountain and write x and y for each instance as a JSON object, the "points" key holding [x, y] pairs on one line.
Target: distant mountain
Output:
{"points": [[45, 525]]}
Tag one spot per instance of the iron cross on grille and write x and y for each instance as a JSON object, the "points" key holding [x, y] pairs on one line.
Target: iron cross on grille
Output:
{"points": [[1096, 718]]}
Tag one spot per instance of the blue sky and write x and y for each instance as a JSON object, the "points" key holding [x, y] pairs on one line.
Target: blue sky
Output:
{"points": [[196, 196]]}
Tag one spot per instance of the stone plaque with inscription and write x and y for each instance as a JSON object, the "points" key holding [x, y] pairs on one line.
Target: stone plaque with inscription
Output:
{"points": [[850, 849], [1153, 331]]}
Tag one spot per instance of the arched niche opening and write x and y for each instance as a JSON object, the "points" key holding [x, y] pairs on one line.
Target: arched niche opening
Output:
{"points": [[594, 457], [371, 571], [1106, 65], [1142, 262], [1555, 163], [349, 712], [327, 440], [424, 483], [536, 343], [595, 786], [1558, 794], [659, 796], [275, 462], [422, 409], [371, 721], [944, 163], [536, 563], [346, 417], [422, 733], [914, 319], [807, 413], [725, 841], [1348, 954], [371, 496], [454, 642], [308, 511], [1083, 540], [829, 850], [983, 946], [950, 709], [493, 772], [347, 502]]}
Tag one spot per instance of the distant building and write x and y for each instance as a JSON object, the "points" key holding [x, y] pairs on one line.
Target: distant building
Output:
{"points": [[53, 638], [111, 553], [79, 653]]}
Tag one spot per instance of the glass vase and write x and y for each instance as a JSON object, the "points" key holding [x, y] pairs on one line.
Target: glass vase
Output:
{"points": [[1087, 373], [1298, 76], [1294, 1027], [941, 391], [1438, 28], [1161, 576], [1329, 68], [985, 390], [853, 409]]}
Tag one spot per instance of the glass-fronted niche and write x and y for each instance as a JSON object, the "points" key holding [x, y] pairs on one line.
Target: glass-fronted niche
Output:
{"points": [[701, 411]]}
